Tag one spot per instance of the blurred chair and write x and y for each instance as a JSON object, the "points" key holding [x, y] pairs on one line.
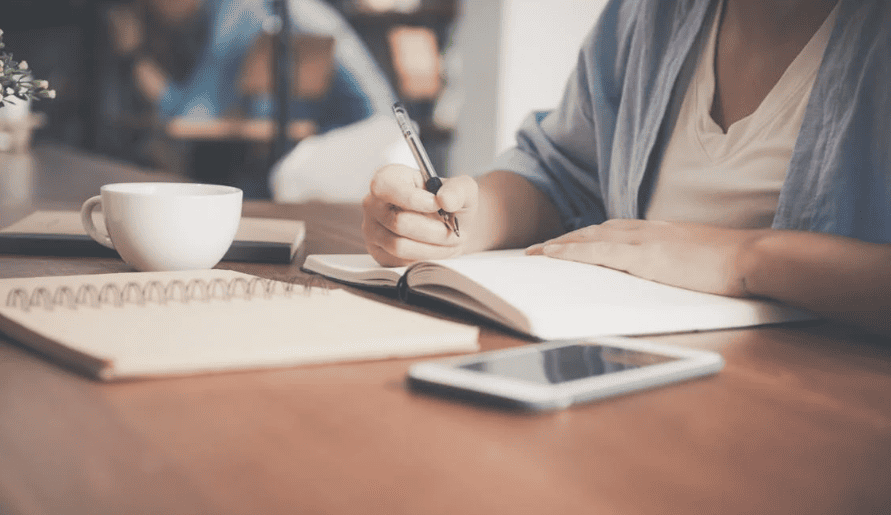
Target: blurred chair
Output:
{"points": [[221, 109], [311, 78]]}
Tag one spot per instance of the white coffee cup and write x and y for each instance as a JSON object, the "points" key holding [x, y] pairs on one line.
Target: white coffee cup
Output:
{"points": [[157, 226]]}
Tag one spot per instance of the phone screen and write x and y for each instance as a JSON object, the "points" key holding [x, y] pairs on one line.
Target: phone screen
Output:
{"points": [[567, 363]]}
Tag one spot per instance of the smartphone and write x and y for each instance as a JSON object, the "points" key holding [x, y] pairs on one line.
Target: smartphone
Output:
{"points": [[556, 375]]}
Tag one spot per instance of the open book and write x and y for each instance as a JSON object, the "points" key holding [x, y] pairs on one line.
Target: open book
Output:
{"points": [[160, 323], [549, 298], [60, 233]]}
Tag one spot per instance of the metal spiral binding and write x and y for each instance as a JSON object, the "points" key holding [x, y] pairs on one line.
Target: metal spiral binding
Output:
{"points": [[156, 292]]}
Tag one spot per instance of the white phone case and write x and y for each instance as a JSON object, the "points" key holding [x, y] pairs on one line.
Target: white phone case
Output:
{"points": [[447, 377]]}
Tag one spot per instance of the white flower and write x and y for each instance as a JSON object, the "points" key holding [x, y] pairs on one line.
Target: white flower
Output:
{"points": [[47, 93], [41, 84], [9, 91], [23, 65]]}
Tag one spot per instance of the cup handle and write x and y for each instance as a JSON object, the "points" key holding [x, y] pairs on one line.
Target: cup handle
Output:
{"points": [[86, 218]]}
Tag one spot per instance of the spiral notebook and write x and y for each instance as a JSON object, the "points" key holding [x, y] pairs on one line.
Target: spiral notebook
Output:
{"points": [[126, 325], [550, 298]]}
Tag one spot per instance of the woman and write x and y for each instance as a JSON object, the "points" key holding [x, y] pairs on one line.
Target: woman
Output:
{"points": [[736, 147], [187, 56], [184, 58]]}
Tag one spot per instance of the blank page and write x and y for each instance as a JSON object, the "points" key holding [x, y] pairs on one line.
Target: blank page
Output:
{"points": [[558, 299]]}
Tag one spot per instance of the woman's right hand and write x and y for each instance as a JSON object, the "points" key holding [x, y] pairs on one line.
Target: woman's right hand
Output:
{"points": [[401, 219]]}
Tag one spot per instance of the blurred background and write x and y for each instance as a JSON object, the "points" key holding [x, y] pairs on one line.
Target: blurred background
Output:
{"points": [[225, 91]]}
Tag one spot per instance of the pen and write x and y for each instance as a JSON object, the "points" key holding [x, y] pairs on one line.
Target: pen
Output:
{"points": [[432, 182]]}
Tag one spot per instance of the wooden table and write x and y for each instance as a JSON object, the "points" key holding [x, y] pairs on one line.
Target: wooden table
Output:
{"points": [[799, 421]]}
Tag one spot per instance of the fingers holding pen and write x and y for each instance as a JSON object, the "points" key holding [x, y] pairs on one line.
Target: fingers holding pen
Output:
{"points": [[392, 249], [458, 194], [402, 220], [398, 201], [403, 187], [385, 220]]}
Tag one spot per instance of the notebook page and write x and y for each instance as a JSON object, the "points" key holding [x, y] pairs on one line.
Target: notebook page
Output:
{"points": [[176, 338], [563, 299]]}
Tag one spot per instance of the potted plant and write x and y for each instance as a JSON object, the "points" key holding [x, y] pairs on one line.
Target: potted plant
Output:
{"points": [[17, 89]]}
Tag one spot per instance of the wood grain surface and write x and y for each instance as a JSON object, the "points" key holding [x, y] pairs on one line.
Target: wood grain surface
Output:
{"points": [[799, 421]]}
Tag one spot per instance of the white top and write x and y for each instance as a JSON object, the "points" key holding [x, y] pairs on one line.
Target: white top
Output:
{"points": [[733, 179]]}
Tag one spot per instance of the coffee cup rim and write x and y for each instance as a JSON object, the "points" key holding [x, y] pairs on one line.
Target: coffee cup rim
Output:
{"points": [[177, 189]]}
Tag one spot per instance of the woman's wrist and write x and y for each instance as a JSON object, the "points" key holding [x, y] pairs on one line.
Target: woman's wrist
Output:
{"points": [[752, 256]]}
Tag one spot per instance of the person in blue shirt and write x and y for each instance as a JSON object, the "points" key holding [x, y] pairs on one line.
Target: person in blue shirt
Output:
{"points": [[184, 58], [738, 147]]}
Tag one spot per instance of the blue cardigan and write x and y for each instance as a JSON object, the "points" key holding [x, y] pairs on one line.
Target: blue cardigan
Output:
{"points": [[596, 154]]}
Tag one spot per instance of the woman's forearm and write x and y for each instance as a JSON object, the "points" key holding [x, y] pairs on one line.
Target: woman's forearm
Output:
{"points": [[512, 213], [840, 278]]}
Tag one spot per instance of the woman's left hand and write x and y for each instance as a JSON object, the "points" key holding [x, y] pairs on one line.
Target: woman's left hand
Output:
{"points": [[693, 256]]}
